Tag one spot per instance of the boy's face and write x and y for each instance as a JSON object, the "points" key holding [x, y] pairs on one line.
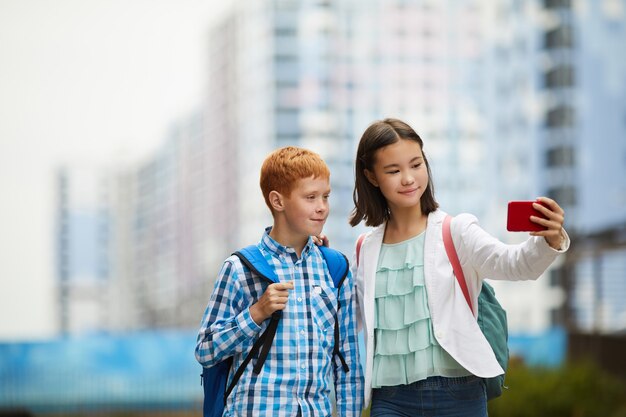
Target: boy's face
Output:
{"points": [[306, 208]]}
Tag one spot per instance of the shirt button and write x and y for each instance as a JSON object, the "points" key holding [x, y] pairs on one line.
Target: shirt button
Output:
{"points": [[302, 366], [302, 332], [299, 299], [439, 335]]}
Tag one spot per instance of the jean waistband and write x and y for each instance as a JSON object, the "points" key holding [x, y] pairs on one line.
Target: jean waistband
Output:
{"points": [[439, 381]]}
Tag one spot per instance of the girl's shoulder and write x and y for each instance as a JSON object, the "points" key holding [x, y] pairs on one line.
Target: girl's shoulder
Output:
{"points": [[465, 219], [461, 223]]}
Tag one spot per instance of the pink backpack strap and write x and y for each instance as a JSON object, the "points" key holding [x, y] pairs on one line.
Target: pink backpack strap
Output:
{"points": [[359, 242], [454, 259]]}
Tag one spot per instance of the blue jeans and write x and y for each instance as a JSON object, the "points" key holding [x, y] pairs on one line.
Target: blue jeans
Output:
{"points": [[432, 397]]}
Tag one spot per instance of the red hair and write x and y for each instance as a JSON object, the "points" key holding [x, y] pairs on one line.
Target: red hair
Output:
{"points": [[285, 166]]}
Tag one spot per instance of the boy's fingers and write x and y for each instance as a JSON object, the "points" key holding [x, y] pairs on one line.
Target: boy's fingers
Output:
{"points": [[283, 285]]}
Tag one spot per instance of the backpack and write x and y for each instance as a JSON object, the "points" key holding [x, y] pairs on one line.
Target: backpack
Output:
{"points": [[491, 316], [214, 379]]}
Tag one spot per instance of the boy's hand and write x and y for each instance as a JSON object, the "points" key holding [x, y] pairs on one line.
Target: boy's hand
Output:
{"points": [[555, 216], [273, 299]]}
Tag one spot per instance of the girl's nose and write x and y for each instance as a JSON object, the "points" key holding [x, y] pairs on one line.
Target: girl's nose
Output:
{"points": [[407, 179]]}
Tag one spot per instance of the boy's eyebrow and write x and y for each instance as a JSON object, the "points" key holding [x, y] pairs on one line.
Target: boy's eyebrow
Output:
{"points": [[313, 191], [395, 165]]}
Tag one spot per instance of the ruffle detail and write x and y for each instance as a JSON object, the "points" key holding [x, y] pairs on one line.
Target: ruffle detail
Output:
{"points": [[405, 347], [404, 254], [418, 336], [399, 282], [405, 369], [397, 312]]}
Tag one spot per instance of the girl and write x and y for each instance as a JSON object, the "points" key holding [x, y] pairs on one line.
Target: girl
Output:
{"points": [[425, 354]]}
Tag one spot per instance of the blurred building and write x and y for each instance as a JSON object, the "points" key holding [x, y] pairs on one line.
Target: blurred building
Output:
{"points": [[583, 146], [513, 100], [463, 75], [83, 248], [271, 85], [170, 234], [316, 74]]}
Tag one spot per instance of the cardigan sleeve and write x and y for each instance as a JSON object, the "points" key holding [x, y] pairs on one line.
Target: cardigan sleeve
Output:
{"points": [[491, 258]]}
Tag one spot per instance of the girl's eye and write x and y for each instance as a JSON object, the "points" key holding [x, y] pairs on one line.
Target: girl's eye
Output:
{"points": [[326, 196], [395, 171], [417, 165]]}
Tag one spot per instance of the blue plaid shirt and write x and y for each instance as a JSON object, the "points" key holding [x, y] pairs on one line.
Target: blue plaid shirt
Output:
{"points": [[299, 371]]}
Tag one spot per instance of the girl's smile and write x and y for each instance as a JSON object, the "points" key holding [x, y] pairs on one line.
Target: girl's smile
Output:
{"points": [[400, 173]]}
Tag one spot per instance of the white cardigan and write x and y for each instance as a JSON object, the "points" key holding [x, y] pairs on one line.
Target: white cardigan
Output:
{"points": [[481, 256]]}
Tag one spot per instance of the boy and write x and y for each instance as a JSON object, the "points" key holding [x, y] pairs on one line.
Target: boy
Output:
{"points": [[295, 379]]}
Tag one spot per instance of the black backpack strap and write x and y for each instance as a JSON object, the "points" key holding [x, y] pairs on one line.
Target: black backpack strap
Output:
{"points": [[336, 350], [255, 348], [252, 259], [338, 267], [269, 334]]}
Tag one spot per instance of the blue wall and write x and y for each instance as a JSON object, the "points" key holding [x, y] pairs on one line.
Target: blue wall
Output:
{"points": [[148, 370]]}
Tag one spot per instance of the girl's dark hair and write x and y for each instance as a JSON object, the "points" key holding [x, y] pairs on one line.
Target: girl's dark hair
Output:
{"points": [[369, 203]]}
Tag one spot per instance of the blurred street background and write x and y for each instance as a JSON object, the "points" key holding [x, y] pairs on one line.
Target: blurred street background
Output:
{"points": [[132, 135]]}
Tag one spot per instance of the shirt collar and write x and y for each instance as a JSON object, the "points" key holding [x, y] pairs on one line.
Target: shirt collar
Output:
{"points": [[280, 251]]}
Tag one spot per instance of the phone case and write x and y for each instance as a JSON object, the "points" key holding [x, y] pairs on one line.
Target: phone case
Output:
{"points": [[518, 217]]}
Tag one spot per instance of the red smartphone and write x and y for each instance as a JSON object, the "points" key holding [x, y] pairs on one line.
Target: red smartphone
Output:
{"points": [[518, 217]]}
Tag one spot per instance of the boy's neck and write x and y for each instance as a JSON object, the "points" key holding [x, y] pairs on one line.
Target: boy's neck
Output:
{"points": [[288, 239]]}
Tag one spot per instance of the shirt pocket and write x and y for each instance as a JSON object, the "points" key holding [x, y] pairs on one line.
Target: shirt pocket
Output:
{"points": [[324, 305]]}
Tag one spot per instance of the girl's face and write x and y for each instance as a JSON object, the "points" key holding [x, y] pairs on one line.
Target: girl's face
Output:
{"points": [[400, 172]]}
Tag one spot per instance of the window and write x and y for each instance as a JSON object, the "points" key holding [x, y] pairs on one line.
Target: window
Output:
{"points": [[553, 4], [555, 278], [562, 116], [560, 157], [562, 76], [561, 37], [564, 195], [287, 122]]}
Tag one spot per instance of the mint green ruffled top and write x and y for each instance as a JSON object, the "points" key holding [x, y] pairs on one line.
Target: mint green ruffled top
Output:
{"points": [[405, 347]]}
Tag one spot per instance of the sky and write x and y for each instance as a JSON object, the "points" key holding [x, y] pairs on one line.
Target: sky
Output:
{"points": [[81, 81]]}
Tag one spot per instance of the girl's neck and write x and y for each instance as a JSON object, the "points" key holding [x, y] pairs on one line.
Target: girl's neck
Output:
{"points": [[404, 224]]}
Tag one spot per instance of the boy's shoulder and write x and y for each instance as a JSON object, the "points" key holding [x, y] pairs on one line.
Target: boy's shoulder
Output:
{"points": [[335, 262], [235, 264]]}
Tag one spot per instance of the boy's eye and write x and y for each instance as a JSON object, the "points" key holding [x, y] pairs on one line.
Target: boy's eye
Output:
{"points": [[417, 165]]}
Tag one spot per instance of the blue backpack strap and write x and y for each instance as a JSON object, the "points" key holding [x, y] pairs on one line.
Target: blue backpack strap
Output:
{"points": [[253, 259], [214, 378], [337, 264], [338, 267]]}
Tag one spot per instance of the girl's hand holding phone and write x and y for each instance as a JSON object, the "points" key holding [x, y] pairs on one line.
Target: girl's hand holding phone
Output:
{"points": [[553, 218], [542, 217]]}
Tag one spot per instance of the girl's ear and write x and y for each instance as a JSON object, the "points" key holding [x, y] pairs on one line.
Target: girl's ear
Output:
{"points": [[370, 177], [276, 201]]}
